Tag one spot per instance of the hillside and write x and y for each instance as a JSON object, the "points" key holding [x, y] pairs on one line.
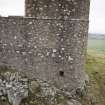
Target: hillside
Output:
{"points": [[95, 67]]}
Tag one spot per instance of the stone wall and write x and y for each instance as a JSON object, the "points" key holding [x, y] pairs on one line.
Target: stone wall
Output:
{"points": [[64, 29], [58, 9], [50, 50]]}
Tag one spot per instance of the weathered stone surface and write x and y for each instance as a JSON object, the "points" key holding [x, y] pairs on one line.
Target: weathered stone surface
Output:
{"points": [[13, 86], [20, 90], [50, 50], [73, 102], [49, 47], [58, 9], [34, 86]]}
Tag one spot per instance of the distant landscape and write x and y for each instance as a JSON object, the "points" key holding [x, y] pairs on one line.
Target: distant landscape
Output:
{"points": [[96, 43], [96, 36]]}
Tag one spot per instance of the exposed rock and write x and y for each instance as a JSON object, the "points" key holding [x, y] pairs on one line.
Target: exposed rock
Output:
{"points": [[14, 87], [47, 90], [34, 86], [73, 102]]}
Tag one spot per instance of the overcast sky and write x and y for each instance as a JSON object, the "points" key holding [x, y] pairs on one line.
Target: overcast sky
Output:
{"points": [[97, 12], [97, 16]]}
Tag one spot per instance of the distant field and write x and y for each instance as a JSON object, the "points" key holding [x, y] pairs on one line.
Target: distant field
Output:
{"points": [[96, 46]]}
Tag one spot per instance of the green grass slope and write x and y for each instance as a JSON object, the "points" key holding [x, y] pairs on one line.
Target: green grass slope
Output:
{"points": [[95, 67]]}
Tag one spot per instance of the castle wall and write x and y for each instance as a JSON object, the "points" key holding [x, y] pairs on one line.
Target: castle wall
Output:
{"points": [[50, 50], [58, 9]]}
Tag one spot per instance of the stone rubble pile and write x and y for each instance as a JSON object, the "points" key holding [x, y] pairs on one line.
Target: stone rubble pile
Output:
{"points": [[14, 87], [51, 94]]}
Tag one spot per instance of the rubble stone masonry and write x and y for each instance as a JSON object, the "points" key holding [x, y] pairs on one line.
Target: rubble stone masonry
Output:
{"points": [[49, 43]]}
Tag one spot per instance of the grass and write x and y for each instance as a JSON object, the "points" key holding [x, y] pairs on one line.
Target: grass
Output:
{"points": [[95, 67]]}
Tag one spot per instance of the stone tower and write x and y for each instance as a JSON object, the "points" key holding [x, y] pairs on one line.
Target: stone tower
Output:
{"points": [[65, 24], [67, 29], [49, 43], [58, 9]]}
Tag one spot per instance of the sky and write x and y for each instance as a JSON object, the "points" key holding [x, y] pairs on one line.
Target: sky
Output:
{"points": [[12, 7], [97, 13], [97, 16]]}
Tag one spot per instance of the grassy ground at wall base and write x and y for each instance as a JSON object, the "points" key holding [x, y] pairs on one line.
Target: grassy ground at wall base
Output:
{"points": [[95, 67]]}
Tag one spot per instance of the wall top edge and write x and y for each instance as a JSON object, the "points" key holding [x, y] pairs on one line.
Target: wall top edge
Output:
{"points": [[22, 17]]}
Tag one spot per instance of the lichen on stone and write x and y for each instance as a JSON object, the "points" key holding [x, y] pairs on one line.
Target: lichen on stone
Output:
{"points": [[14, 87], [17, 89]]}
